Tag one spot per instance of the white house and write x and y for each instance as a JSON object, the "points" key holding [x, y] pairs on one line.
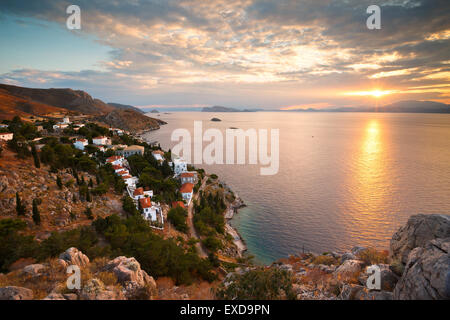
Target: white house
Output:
{"points": [[130, 181], [60, 126], [132, 150], [188, 177], [6, 136], [140, 193], [66, 120], [80, 144], [115, 160], [179, 166], [149, 210], [101, 141], [186, 191], [158, 155]]}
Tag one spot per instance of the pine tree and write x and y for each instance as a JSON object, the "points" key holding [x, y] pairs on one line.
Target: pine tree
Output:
{"points": [[89, 214], [91, 183], [20, 208], [88, 196], [59, 182], [36, 215], [37, 162]]}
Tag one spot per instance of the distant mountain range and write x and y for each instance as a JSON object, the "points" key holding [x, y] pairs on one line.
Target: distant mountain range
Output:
{"points": [[410, 106], [227, 109], [125, 107], [27, 102]]}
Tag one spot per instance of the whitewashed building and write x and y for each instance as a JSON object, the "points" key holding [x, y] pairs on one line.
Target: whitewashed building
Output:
{"points": [[188, 177], [116, 160], [6, 136], [101, 141], [80, 144], [187, 191], [179, 166], [140, 193]]}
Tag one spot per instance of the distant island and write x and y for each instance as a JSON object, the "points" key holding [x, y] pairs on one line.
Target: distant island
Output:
{"points": [[409, 106], [216, 119], [227, 109], [154, 111]]}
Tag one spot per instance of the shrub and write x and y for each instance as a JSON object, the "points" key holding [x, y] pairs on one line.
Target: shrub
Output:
{"points": [[373, 256], [259, 284], [326, 260], [177, 216]]}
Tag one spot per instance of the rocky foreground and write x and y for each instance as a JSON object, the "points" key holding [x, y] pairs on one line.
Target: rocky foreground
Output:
{"points": [[416, 267]]}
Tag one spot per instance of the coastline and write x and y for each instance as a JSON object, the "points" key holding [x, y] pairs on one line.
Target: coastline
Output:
{"points": [[232, 208]]}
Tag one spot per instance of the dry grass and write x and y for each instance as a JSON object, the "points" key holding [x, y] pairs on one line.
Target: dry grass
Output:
{"points": [[373, 256], [326, 260], [41, 285]]}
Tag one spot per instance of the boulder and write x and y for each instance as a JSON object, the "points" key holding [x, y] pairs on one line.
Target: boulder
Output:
{"points": [[34, 269], [388, 278], [61, 296], [427, 273], [416, 233], [348, 269], [94, 289], [357, 292], [15, 293], [347, 256], [130, 275], [73, 256]]}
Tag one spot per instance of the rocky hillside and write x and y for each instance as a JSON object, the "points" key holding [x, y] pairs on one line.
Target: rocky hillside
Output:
{"points": [[124, 107], [71, 100], [60, 209], [130, 120], [12, 105]]}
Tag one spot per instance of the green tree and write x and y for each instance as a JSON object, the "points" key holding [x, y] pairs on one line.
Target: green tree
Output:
{"points": [[36, 215], [177, 216], [37, 162], [20, 208], [89, 213], [129, 207], [59, 182]]}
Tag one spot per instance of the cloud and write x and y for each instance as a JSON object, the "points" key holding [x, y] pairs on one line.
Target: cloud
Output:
{"points": [[321, 45]]}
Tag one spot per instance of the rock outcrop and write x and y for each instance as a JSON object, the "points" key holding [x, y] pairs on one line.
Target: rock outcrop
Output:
{"points": [[135, 281], [73, 256], [15, 293], [427, 273], [416, 233]]}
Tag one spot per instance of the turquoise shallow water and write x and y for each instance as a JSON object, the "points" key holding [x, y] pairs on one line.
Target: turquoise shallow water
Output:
{"points": [[345, 179]]}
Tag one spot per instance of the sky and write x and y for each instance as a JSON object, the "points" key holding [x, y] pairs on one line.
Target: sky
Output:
{"points": [[268, 54]]}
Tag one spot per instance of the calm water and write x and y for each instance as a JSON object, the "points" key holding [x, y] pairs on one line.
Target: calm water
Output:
{"points": [[344, 179]]}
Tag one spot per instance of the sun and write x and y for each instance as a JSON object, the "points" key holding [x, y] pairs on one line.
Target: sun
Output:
{"points": [[376, 93]]}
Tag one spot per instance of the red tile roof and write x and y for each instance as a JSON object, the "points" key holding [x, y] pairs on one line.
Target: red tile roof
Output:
{"points": [[187, 188], [187, 175], [178, 204], [117, 167], [113, 158], [126, 177], [138, 192], [145, 202]]}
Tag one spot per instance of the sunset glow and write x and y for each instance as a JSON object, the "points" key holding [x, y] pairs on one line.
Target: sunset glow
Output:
{"points": [[373, 93]]}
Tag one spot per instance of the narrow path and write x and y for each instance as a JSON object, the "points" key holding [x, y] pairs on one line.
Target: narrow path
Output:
{"points": [[190, 222]]}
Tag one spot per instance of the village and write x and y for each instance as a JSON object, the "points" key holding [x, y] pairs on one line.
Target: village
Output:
{"points": [[142, 197]]}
